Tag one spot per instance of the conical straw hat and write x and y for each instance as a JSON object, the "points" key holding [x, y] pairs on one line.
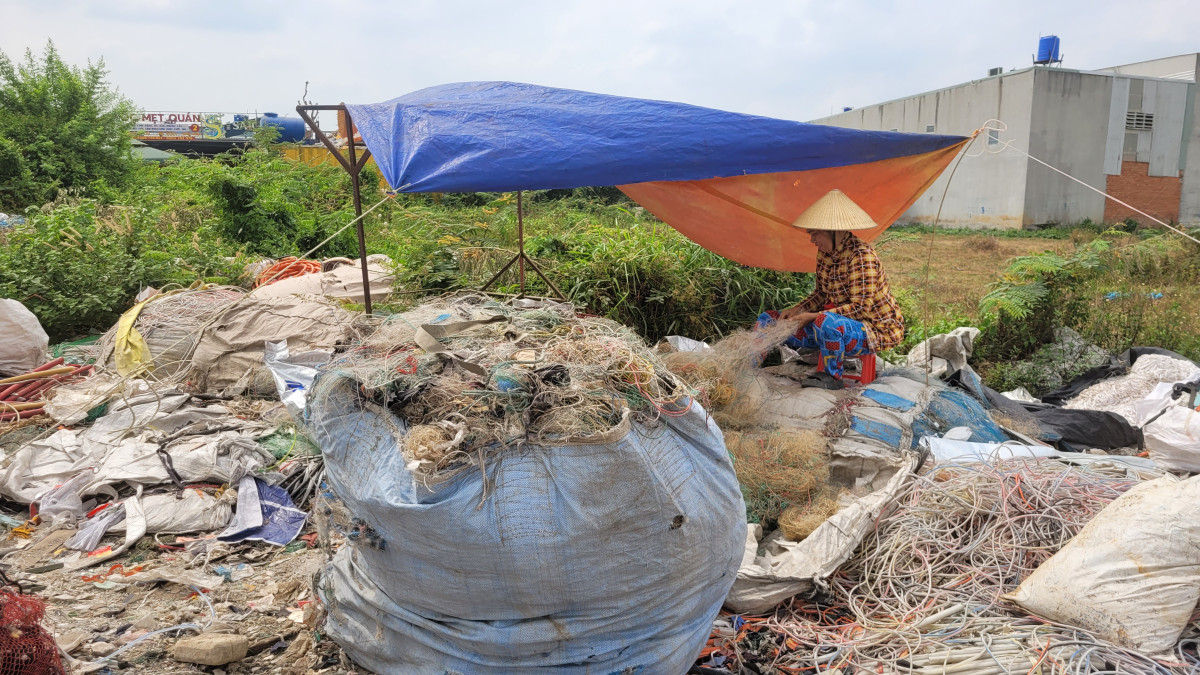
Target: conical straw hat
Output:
{"points": [[834, 211]]}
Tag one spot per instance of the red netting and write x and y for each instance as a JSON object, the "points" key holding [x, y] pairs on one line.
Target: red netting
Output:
{"points": [[25, 647]]}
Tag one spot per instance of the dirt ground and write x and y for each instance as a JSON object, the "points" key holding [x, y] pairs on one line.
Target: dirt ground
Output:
{"points": [[961, 266], [269, 601]]}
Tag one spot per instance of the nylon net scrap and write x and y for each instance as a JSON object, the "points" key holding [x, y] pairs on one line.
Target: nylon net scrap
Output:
{"points": [[550, 377]]}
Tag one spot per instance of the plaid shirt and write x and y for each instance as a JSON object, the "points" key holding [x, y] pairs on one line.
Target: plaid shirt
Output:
{"points": [[851, 279]]}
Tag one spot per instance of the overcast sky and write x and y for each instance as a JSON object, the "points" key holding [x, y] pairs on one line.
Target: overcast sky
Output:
{"points": [[798, 60]]}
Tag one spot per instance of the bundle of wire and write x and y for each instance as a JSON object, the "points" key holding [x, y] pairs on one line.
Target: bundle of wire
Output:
{"points": [[286, 268], [170, 324], [185, 310], [549, 377], [922, 594]]}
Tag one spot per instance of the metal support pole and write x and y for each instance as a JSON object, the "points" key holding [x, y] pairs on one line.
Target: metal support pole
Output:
{"points": [[362, 237], [353, 167], [522, 259], [520, 244]]}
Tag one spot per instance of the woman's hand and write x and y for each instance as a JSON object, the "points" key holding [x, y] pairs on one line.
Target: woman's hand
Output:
{"points": [[794, 314]]}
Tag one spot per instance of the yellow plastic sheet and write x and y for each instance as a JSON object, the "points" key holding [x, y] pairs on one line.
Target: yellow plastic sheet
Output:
{"points": [[130, 350]]}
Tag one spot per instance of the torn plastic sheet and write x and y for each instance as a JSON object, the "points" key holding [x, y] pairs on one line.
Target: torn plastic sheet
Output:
{"points": [[687, 344], [89, 536], [293, 374], [1171, 427], [135, 519], [70, 403], [945, 353], [63, 502], [763, 582], [191, 510], [264, 513], [122, 447]]}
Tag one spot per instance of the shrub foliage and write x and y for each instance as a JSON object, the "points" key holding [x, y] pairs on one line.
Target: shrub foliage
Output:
{"points": [[61, 127]]}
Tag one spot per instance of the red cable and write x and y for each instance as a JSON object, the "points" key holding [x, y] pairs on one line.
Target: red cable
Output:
{"points": [[287, 268]]}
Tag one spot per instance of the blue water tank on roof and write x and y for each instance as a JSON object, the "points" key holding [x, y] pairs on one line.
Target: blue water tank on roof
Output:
{"points": [[1047, 51], [291, 129]]}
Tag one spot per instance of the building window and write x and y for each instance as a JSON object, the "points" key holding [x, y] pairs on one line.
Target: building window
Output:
{"points": [[1139, 121], [993, 137], [929, 128]]}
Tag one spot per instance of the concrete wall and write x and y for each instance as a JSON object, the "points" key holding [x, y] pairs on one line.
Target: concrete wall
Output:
{"points": [[1075, 121], [1185, 68], [1189, 159], [1182, 67], [1070, 119], [1189, 162], [988, 188]]}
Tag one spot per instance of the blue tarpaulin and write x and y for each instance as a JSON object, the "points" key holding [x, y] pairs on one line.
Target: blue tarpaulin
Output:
{"points": [[496, 136]]}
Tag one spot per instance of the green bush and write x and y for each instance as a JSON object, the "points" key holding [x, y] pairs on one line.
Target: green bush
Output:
{"points": [[1035, 297], [664, 285], [66, 128], [258, 202], [77, 266], [242, 219], [70, 273], [16, 180]]}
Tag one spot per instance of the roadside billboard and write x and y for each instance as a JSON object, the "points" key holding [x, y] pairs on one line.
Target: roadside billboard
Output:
{"points": [[179, 126]]}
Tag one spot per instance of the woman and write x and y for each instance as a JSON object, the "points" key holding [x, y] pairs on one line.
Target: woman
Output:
{"points": [[851, 312]]}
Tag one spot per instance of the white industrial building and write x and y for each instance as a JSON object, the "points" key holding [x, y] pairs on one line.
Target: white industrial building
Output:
{"points": [[1129, 130]]}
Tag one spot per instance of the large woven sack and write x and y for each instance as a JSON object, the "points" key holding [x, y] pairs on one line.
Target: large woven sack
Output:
{"points": [[586, 558], [1131, 576]]}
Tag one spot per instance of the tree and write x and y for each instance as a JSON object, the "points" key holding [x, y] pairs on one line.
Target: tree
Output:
{"points": [[61, 127]]}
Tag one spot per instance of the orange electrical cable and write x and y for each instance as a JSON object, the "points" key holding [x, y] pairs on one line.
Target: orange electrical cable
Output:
{"points": [[286, 268]]}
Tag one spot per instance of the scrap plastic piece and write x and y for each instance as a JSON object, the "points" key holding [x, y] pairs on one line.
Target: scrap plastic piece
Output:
{"points": [[293, 375], [264, 513]]}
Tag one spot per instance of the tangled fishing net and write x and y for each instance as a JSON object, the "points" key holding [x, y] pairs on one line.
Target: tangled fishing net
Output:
{"points": [[470, 376], [26, 648], [726, 374], [784, 473], [923, 592], [784, 478]]}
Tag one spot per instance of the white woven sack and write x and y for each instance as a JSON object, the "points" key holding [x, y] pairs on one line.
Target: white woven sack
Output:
{"points": [[24, 345], [1131, 576]]}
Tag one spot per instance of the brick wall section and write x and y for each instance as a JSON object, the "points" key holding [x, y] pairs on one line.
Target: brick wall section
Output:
{"points": [[1157, 195]]}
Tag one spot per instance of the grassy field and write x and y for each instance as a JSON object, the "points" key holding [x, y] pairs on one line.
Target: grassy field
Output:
{"points": [[961, 266], [1145, 292]]}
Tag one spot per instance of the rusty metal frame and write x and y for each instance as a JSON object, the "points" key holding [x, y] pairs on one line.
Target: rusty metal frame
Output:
{"points": [[353, 166]]}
